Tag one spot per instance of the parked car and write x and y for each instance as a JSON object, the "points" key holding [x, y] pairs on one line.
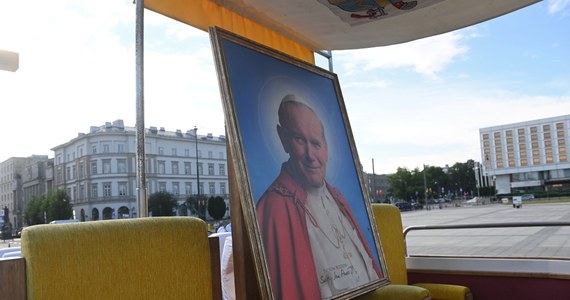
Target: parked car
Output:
{"points": [[404, 206], [527, 197]]}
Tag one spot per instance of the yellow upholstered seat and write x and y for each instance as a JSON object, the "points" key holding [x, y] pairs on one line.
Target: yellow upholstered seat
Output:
{"points": [[389, 224], [146, 258]]}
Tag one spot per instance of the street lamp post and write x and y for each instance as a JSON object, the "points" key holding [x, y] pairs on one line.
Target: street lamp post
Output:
{"points": [[202, 214]]}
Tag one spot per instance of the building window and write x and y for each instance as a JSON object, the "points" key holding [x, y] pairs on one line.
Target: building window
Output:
{"points": [[161, 167], [174, 152], [212, 188], [549, 160], [122, 188], [107, 189], [121, 148], [511, 163], [162, 186], [175, 188], [221, 155], [82, 191], [106, 166], [68, 173], [94, 188], [200, 169], [175, 167], [199, 153], [160, 150], [563, 158], [187, 168], [548, 143], [201, 188], [94, 167], [533, 130], [210, 169], [222, 188], [105, 148], [188, 186], [210, 154], [222, 170], [524, 162], [121, 165], [187, 152], [94, 148]]}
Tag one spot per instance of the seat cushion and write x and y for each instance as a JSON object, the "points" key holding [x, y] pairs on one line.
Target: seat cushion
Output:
{"points": [[396, 292], [145, 258], [446, 291]]}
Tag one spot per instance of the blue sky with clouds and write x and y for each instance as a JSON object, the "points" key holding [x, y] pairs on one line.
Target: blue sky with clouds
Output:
{"points": [[417, 103]]}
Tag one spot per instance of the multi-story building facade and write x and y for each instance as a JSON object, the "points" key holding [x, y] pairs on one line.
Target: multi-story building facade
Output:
{"points": [[21, 178], [377, 186], [527, 156], [98, 169]]}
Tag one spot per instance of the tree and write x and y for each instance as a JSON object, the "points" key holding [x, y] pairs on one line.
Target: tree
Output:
{"points": [[462, 177], [217, 207], [161, 204], [192, 205], [48, 207]]}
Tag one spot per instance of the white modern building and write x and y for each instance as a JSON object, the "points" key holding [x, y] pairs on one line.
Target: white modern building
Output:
{"points": [[528, 156], [98, 169]]}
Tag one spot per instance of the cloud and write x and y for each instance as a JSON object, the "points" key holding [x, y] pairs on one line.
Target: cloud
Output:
{"points": [[427, 56], [556, 6]]}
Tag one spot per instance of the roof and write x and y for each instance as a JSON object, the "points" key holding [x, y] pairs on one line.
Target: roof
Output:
{"points": [[335, 24]]}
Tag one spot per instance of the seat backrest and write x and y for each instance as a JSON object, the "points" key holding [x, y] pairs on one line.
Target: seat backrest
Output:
{"points": [[389, 225], [145, 258]]}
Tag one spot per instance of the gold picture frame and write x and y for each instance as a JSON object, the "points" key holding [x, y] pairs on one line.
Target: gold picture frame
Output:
{"points": [[297, 174]]}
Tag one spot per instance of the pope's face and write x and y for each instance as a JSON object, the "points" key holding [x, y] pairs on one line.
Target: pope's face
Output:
{"points": [[303, 138]]}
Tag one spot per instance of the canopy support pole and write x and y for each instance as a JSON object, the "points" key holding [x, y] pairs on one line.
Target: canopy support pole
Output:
{"points": [[142, 201]]}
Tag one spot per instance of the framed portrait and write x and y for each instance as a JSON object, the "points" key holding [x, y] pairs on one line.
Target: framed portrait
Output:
{"points": [[298, 175]]}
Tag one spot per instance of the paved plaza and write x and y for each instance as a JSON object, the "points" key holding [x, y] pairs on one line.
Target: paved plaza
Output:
{"points": [[501, 242], [497, 242]]}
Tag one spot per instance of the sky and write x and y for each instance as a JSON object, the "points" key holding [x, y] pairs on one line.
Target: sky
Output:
{"points": [[409, 105]]}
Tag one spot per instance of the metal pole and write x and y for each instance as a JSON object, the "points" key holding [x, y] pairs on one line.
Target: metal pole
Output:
{"points": [[374, 183], [425, 187], [202, 214], [142, 202]]}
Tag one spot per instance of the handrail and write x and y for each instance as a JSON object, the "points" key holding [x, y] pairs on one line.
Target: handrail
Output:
{"points": [[481, 225]]}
